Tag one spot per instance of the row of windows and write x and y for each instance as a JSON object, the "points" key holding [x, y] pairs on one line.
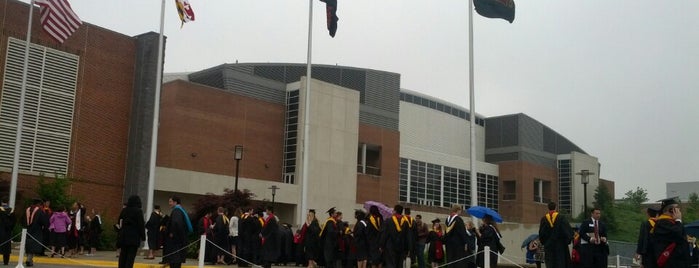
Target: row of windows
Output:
{"points": [[564, 187], [445, 108], [436, 185]]}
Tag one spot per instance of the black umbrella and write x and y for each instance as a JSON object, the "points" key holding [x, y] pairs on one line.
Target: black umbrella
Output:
{"points": [[692, 228]]}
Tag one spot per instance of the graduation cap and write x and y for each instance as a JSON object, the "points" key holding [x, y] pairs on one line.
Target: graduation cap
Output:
{"points": [[331, 211], [652, 211], [664, 203], [436, 221]]}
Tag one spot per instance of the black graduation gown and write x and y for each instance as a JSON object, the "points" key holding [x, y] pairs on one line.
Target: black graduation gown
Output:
{"points": [[220, 235], [329, 237], [373, 234], [153, 228], [35, 228], [394, 242], [489, 237], [668, 231], [361, 242], [7, 223], [176, 238], [644, 246], [455, 240], [311, 241], [271, 246], [436, 242], [556, 240]]}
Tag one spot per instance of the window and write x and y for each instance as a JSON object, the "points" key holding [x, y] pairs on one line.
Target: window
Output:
{"points": [[510, 190], [369, 159], [432, 185], [48, 108]]}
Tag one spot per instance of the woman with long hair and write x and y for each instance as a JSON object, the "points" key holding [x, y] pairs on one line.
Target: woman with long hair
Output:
{"points": [[489, 236], [435, 252]]}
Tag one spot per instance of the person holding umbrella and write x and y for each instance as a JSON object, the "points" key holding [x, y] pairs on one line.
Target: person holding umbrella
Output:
{"points": [[489, 237]]}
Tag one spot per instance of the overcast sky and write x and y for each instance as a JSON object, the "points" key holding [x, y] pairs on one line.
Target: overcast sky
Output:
{"points": [[618, 78]]}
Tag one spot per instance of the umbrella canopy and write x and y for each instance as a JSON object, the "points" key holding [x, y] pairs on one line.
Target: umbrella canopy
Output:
{"points": [[529, 239], [480, 212], [692, 228], [385, 211]]}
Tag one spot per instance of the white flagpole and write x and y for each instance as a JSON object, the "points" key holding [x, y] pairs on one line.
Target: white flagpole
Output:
{"points": [[156, 116], [306, 115], [20, 117], [472, 108]]}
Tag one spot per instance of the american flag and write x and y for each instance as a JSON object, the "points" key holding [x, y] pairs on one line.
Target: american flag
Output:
{"points": [[58, 19]]}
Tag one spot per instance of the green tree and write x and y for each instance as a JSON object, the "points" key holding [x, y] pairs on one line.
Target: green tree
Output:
{"points": [[692, 208], [55, 190], [636, 198], [604, 201]]}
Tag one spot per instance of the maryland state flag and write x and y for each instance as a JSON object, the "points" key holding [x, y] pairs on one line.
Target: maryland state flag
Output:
{"points": [[498, 9], [185, 11], [331, 12]]}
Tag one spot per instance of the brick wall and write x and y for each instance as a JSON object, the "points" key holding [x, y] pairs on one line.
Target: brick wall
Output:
{"points": [[103, 102]]}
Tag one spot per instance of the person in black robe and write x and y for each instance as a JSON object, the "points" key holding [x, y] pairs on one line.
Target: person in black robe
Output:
{"points": [[36, 222], [204, 227], [270, 239], [132, 231], [361, 242], [153, 228], [286, 241], [329, 239], [455, 238], [555, 234], [310, 239], [394, 239], [177, 229], [7, 223], [246, 238], [644, 249], [489, 236], [435, 237], [373, 235], [669, 239], [220, 236]]}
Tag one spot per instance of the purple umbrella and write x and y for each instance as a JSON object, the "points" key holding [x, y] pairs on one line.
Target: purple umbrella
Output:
{"points": [[385, 211]]}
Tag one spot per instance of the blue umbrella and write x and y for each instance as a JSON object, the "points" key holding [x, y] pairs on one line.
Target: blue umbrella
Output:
{"points": [[480, 212], [529, 239]]}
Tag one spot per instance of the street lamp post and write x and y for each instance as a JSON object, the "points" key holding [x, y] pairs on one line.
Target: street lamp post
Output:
{"points": [[238, 155], [274, 191], [585, 180]]}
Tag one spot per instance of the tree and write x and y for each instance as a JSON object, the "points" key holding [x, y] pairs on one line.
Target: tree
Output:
{"points": [[55, 190], [603, 201], [692, 208], [229, 200], [638, 197]]}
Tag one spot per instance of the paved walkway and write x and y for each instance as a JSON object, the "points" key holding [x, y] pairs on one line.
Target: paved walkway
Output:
{"points": [[101, 259]]}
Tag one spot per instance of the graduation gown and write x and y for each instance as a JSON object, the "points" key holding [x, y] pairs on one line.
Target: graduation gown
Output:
{"points": [[455, 240], [36, 223], [373, 233], [311, 240], [394, 241], [176, 237], [329, 237], [271, 245], [361, 242], [556, 239], [666, 232]]}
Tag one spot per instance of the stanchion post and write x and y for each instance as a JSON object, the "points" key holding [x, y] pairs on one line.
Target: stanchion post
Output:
{"points": [[21, 249], [486, 256], [202, 249], [617, 261]]}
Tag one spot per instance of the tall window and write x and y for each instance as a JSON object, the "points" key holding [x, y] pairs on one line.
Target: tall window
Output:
{"points": [[509, 190], [542, 191], [48, 108], [564, 186], [488, 191], [369, 159]]}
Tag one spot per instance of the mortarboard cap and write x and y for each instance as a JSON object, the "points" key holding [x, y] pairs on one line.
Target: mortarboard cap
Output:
{"points": [[652, 211], [331, 211], [664, 203], [436, 221]]}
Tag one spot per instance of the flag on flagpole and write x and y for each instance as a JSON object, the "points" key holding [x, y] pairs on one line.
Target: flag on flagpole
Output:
{"points": [[58, 19], [498, 9], [331, 12], [185, 11]]}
